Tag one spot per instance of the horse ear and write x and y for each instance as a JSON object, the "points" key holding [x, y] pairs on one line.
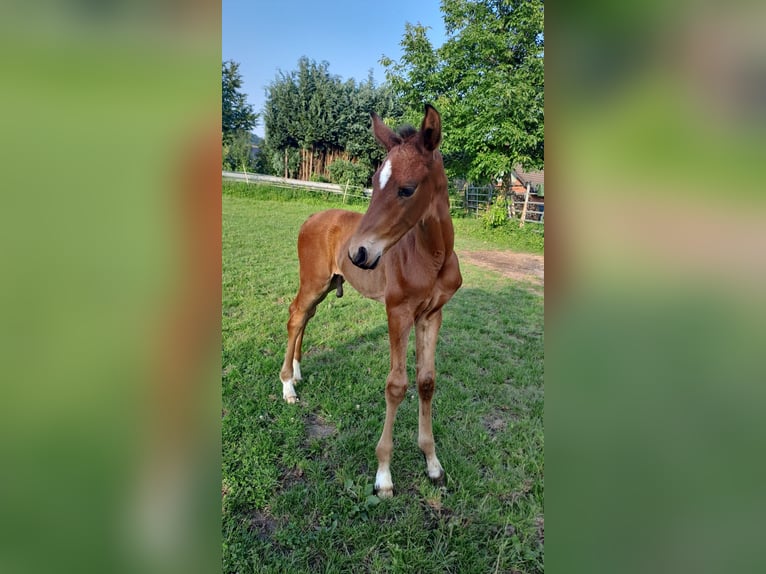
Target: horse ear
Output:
{"points": [[431, 128], [384, 134]]}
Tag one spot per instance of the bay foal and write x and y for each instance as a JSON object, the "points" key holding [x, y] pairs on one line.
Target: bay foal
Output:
{"points": [[399, 253]]}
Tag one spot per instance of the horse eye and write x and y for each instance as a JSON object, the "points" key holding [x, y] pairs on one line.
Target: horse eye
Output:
{"points": [[406, 191]]}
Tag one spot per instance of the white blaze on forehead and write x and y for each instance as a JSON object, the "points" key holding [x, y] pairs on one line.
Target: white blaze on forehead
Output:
{"points": [[385, 174]]}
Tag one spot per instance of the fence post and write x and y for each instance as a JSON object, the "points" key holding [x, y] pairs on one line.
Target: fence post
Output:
{"points": [[345, 191], [524, 209]]}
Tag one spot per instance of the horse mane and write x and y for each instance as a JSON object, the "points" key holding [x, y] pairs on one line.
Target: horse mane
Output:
{"points": [[406, 131]]}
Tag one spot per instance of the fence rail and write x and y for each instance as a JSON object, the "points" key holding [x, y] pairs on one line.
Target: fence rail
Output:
{"points": [[474, 200], [345, 190]]}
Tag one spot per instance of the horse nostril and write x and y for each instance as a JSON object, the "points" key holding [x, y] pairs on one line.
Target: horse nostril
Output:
{"points": [[360, 258]]}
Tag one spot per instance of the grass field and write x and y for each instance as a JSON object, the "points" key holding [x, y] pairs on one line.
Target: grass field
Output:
{"points": [[297, 479]]}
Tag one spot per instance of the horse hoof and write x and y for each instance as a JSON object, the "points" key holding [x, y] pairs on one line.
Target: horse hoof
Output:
{"points": [[291, 400], [384, 492], [438, 480]]}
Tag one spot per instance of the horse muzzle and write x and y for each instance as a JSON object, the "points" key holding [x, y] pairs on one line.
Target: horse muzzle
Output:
{"points": [[364, 258]]}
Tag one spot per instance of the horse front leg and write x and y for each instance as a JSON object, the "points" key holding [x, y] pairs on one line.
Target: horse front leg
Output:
{"points": [[426, 335], [399, 325]]}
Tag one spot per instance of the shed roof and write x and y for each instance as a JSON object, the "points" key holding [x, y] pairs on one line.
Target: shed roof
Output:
{"points": [[533, 177]]}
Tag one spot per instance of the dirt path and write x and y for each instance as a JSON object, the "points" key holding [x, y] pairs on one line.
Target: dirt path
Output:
{"points": [[518, 266]]}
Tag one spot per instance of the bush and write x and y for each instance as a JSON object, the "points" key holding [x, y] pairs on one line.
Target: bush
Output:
{"points": [[345, 172], [497, 214], [457, 206], [274, 162]]}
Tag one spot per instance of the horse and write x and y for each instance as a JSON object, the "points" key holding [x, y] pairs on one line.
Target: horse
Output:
{"points": [[400, 253]]}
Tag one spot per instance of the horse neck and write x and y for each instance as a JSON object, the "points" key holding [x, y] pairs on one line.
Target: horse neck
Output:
{"points": [[435, 231]]}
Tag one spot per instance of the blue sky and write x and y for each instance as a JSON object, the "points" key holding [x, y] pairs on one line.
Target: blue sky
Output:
{"points": [[265, 36]]}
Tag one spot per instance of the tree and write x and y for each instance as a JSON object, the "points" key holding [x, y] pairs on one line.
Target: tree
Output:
{"points": [[301, 116], [237, 119], [313, 118], [487, 80], [238, 152]]}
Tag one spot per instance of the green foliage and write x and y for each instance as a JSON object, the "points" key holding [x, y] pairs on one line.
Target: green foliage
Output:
{"points": [[237, 153], [345, 172], [487, 80], [237, 115], [237, 119], [497, 214], [362, 497], [281, 162], [312, 109]]}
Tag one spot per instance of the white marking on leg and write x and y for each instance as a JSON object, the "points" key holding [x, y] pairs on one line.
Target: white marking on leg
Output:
{"points": [[434, 468], [288, 391], [384, 487], [297, 370], [385, 174]]}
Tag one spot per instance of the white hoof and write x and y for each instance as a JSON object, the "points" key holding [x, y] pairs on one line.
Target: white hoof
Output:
{"points": [[384, 487], [288, 392], [435, 471], [384, 493]]}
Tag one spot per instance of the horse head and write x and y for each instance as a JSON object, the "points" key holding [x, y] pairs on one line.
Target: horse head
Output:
{"points": [[403, 187]]}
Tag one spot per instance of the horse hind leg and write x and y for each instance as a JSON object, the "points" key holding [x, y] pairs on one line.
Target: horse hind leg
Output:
{"points": [[318, 242], [302, 309], [337, 284]]}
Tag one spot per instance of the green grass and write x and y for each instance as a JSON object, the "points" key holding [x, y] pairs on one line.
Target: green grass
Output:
{"points": [[297, 479], [470, 232]]}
